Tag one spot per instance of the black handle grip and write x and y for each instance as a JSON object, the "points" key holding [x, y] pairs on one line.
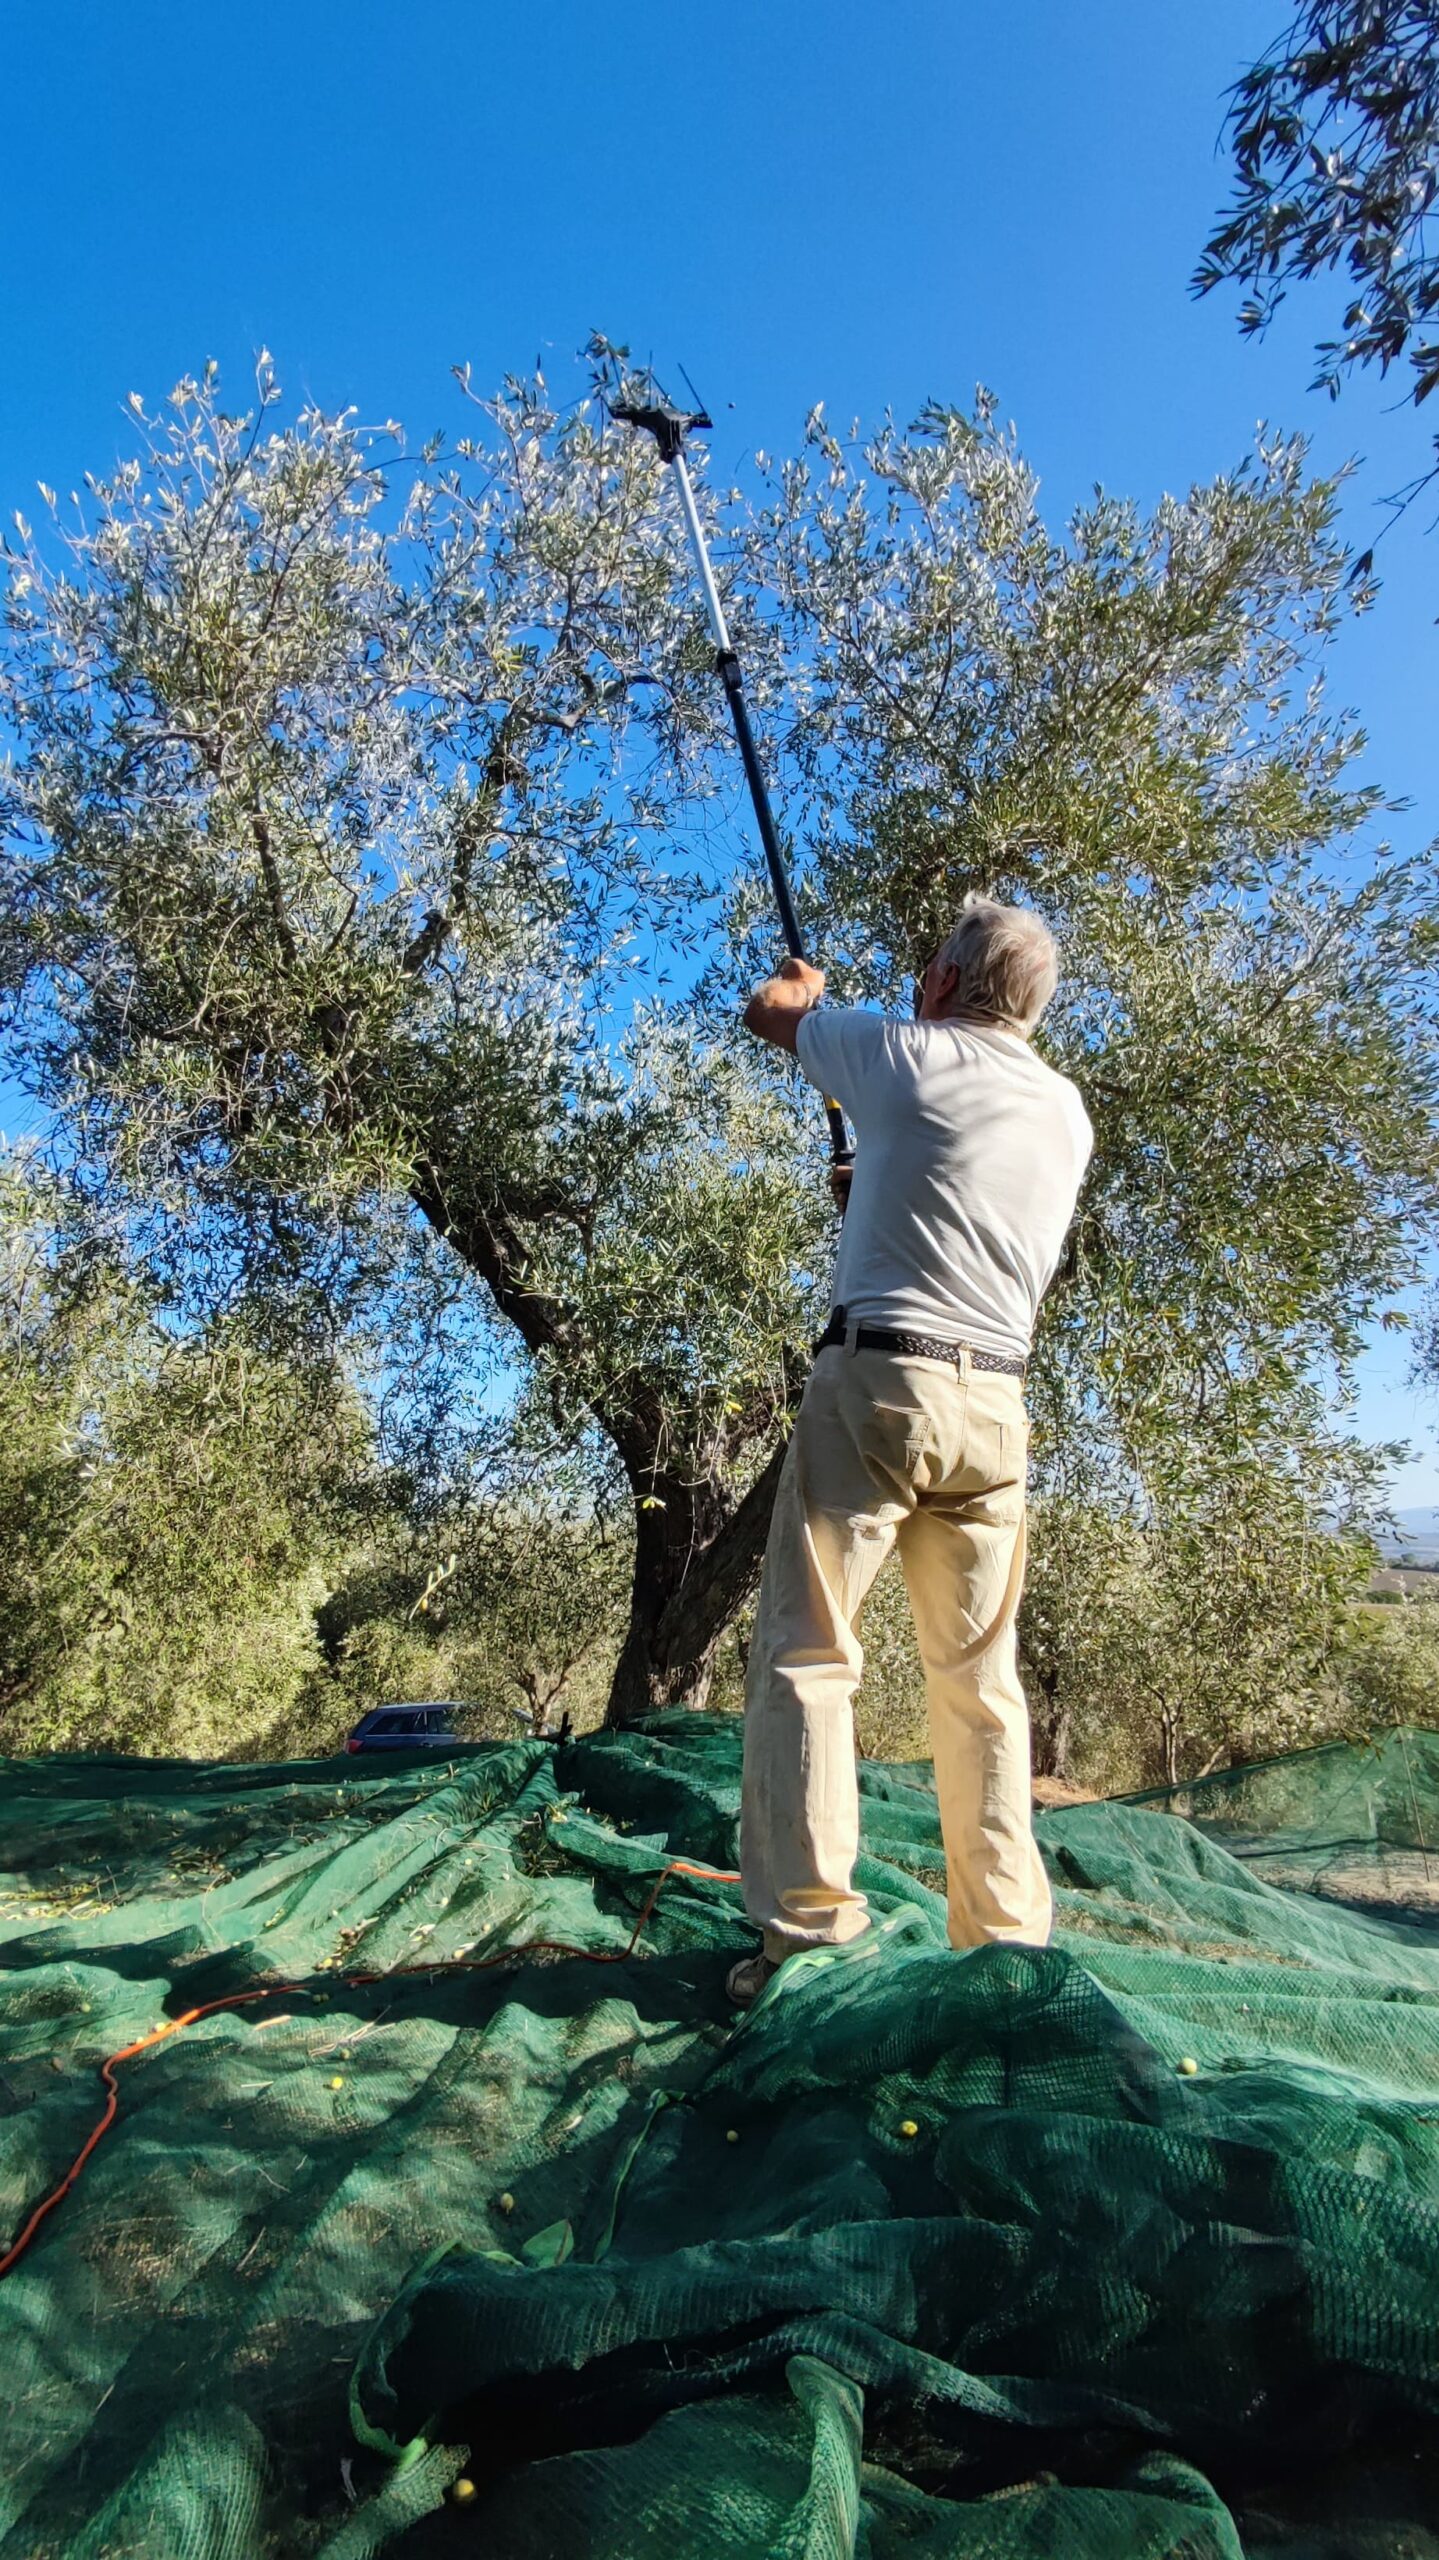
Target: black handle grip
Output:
{"points": [[729, 669]]}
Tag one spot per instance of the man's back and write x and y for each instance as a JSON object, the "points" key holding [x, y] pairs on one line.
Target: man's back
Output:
{"points": [[969, 1156]]}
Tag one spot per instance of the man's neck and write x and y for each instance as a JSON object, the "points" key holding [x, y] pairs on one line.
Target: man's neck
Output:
{"points": [[974, 1021]]}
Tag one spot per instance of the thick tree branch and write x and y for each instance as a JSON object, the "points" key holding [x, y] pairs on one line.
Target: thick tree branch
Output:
{"points": [[488, 1239], [274, 890]]}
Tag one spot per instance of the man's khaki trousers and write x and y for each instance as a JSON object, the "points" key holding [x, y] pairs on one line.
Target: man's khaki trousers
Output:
{"points": [[932, 1455]]}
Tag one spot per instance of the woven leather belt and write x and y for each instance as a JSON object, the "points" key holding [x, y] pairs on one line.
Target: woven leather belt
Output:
{"points": [[914, 1346]]}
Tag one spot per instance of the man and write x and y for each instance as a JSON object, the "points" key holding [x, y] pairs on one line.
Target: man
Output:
{"points": [[969, 1156]]}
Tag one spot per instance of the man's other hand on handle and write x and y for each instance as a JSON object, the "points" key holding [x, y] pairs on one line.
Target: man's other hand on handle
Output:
{"points": [[776, 1010]]}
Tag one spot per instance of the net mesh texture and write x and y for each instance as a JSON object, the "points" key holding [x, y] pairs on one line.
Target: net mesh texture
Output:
{"points": [[1125, 2247]]}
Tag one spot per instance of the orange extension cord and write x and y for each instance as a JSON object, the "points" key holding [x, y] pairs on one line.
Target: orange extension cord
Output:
{"points": [[303, 1990]]}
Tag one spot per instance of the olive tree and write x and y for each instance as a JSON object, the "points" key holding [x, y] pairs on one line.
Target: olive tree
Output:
{"points": [[363, 803], [172, 1508], [1210, 1635], [1390, 1666], [507, 1593]]}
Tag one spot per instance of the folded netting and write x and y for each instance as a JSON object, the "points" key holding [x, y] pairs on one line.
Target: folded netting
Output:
{"points": [[490, 2226]]}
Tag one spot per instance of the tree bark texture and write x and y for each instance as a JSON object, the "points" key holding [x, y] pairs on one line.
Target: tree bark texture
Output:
{"points": [[683, 1596]]}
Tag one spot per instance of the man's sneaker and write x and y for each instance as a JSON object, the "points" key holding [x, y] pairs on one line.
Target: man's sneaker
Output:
{"points": [[746, 1980]]}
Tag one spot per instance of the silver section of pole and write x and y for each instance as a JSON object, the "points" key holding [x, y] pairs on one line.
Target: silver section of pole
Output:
{"points": [[713, 607]]}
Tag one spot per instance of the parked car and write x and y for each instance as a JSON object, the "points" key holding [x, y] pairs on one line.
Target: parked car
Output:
{"points": [[422, 1725]]}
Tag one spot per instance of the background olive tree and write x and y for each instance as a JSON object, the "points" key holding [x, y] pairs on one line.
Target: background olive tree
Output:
{"points": [[1160, 1649], [172, 1511], [1389, 1666], [510, 1598], [208, 1545]]}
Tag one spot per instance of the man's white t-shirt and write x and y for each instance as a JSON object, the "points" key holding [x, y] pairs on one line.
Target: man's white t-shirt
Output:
{"points": [[968, 1160]]}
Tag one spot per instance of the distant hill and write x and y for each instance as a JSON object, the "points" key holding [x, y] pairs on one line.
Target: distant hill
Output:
{"points": [[1418, 1536]]}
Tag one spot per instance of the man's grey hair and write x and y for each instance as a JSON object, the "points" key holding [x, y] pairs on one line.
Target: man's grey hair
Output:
{"points": [[1005, 961]]}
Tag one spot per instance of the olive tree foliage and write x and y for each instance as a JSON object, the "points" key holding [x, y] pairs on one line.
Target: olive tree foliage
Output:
{"points": [[343, 819], [1390, 1666], [171, 1510], [510, 1599], [1207, 1636], [1335, 139], [359, 801], [207, 1545]]}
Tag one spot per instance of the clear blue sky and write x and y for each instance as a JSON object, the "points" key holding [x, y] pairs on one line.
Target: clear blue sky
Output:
{"points": [[801, 201]]}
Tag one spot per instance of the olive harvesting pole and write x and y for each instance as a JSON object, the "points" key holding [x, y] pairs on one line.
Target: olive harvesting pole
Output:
{"points": [[669, 427]]}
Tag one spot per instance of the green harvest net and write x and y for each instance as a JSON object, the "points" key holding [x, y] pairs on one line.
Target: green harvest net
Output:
{"points": [[1124, 2249]]}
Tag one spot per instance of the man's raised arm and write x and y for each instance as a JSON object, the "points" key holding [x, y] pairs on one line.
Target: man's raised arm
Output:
{"points": [[774, 1013], [776, 1010]]}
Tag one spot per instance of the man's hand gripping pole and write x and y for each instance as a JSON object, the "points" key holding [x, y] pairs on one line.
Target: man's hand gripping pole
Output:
{"points": [[669, 429]]}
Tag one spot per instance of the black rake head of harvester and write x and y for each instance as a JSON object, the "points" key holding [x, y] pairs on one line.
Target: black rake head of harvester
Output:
{"points": [[656, 418]]}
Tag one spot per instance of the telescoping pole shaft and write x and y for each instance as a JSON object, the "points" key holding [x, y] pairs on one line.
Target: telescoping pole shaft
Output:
{"points": [[727, 666]]}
